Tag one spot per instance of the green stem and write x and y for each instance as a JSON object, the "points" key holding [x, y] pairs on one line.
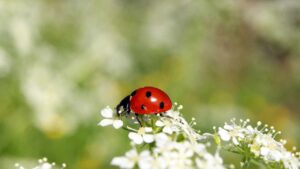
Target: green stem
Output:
{"points": [[127, 129]]}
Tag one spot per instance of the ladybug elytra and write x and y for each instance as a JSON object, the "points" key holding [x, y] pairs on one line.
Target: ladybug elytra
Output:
{"points": [[145, 100]]}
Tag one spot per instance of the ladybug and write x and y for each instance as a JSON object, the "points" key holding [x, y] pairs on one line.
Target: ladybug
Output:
{"points": [[145, 100]]}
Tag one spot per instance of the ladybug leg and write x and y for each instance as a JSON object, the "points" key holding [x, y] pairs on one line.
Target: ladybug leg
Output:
{"points": [[127, 107], [123, 104], [127, 110], [137, 118]]}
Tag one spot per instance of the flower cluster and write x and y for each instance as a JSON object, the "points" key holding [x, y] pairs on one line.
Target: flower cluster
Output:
{"points": [[165, 142], [168, 153], [258, 143], [42, 164], [169, 141]]}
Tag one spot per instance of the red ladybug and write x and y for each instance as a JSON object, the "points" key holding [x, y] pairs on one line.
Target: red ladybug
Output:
{"points": [[145, 100]]}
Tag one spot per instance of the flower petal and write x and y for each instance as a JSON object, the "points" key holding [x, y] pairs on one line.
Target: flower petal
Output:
{"points": [[264, 151], [228, 127], [235, 141], [277, 155], [159, 123], [132, 153], [224, 134], [117, 124], [146, 161], [107, 112], [136, 138], [148, 129], [148, 138], [122, 162], [167, 130], [161, 139], [105, 122]]}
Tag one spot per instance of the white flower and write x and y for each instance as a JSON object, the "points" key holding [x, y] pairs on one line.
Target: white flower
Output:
{"points": [[261, 142], [269, 148], [168, 126], [110, 119], [209, 161], [173, 114], [290, 161], [161, 139], [127, 161], [182, 155], [180, 123], [142, 135], [146, 161], [178, 155], [224, 134], [174, 155], [231, 132]]}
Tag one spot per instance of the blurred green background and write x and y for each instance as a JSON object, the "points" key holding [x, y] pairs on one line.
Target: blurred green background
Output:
{"points": [[61, 61]]}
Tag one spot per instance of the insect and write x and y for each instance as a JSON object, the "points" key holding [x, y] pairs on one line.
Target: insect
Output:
{"points": [[145, 100]]}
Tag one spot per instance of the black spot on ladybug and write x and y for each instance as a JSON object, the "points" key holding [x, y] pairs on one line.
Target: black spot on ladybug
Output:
{"points": [[143, 107], [148, 94], [161, 105], [133, 93]]}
